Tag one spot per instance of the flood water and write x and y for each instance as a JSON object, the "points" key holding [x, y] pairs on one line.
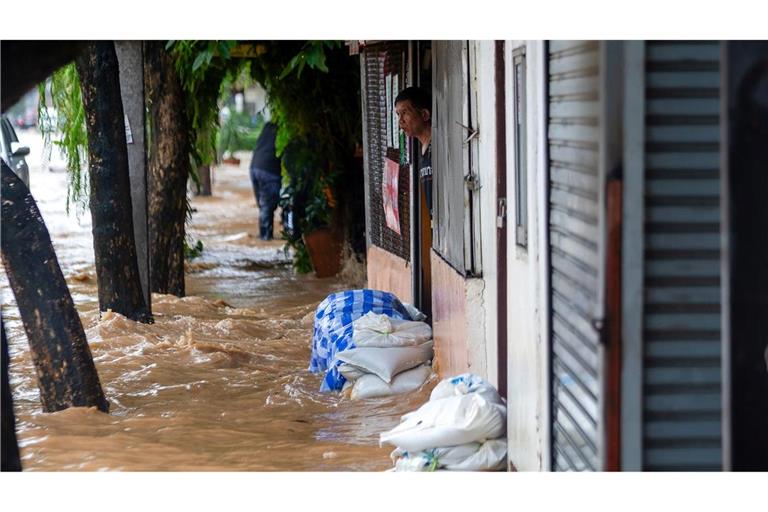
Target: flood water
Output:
{"points": [[220, 380]]}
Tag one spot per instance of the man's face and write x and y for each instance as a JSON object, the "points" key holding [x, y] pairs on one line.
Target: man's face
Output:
{"points": [[412, 120]]}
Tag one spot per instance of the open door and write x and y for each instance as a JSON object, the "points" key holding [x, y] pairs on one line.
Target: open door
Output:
{"points": [[422, 73]]}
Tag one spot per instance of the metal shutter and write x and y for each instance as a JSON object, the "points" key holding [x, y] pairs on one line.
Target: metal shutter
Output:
{"points": [[449, 153], [575, 244], [681, 374], [378, 61]]}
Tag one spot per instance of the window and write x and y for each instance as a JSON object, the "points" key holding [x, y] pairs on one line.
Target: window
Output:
{"points": [[521, 172]]}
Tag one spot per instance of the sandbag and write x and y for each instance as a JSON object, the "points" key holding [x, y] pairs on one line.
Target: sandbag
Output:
{"points": [[371, 386], [377, 330], [350, 373], [387, 362], [464, 384], [333, 327], [488, 456], [450, 421], [415, 313]]}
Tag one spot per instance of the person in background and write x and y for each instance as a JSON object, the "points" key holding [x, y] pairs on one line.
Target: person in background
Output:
{"points": [[413, 107], [265, 178]]}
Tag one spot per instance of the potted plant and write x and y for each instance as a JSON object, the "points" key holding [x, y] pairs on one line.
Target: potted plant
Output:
{"points": [[323, 242]]}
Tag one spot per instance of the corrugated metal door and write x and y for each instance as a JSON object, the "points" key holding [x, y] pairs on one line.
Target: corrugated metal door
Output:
{"points": [[576, 182], [449, 153], [682, 313]]}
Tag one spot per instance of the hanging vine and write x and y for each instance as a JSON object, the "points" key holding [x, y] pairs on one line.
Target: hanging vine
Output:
{"points": [[67, 120]]}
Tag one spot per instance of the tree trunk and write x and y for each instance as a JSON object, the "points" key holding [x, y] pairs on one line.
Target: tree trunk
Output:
{"points": [[65, 371], [117, 270], [10, 448], [168, 170]]}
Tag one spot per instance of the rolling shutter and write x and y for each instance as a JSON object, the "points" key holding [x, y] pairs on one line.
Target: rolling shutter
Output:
{"points": [[682, 359], [575, 244]]}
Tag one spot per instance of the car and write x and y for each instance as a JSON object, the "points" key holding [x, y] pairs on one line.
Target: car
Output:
{"points": [[12, 152]]}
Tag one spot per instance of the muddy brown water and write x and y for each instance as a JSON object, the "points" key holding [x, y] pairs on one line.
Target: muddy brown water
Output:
{"points": [[220, 380]]}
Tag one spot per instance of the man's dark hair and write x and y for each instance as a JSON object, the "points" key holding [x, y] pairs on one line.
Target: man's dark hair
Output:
{"points": [[418, 97]]}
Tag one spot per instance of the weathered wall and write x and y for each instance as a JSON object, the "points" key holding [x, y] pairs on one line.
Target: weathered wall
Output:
{"points": [[527, 272], [389, 273], [449, 323]]}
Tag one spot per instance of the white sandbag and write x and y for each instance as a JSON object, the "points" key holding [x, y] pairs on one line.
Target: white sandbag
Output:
{"points": [[413, 464], [374, 330], [449, 422], [464, 384], [433, 458], [351, 373], [371, 386], [416, 314], [488, 456], [387, 362], [491, 456]]}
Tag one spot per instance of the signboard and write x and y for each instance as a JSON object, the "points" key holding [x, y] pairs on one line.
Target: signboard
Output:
{"points": [[389, 194]]}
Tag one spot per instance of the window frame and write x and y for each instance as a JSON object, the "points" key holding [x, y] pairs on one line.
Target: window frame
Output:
{"points": [[520, 126]]}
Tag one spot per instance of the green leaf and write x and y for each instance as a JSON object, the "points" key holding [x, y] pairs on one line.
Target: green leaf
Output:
{"points": [[290, 66], [198, 61], [224, 49]]}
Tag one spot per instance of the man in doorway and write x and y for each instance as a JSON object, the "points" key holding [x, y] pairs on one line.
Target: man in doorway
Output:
{"points": [[265, 178], [413, 107]]}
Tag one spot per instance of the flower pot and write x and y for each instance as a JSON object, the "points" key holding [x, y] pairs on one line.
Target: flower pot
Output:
{"points": [[324, 248]]}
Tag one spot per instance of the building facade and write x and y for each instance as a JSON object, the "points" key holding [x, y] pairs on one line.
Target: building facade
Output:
{"points": [[581, 255]]}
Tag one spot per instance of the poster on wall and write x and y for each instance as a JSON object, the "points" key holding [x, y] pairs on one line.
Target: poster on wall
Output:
{"points": [[389, 108], [389, 194], [395, 124]]}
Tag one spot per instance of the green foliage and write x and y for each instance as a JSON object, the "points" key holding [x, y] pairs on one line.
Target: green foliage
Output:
{"points": [[239, 132], [313, 93], [202, 67], [301, 262], [66, 123], [192, 251]]}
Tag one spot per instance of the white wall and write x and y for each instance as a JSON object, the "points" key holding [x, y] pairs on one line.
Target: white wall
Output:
{"points": [[482, 294], [527, 275], [527, 270]]}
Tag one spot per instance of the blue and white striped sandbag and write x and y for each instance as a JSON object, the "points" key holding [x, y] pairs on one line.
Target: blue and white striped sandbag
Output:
{"points": [[333, 328]]}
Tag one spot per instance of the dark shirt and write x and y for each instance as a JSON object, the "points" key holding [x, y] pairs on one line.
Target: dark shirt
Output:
{"points": [[264, 155], [425, 176]]}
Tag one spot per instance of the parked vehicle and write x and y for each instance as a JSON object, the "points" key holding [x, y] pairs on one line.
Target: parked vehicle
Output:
{"points": [[12, 152]]}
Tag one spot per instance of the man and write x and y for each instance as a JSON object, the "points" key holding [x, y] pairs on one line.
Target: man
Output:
{"points": [[413, 107], [265, 178]]}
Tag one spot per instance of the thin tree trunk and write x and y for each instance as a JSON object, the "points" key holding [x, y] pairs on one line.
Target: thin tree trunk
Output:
{"points": [[169, 166], [117, 270], [66, 374], [10, 460]]}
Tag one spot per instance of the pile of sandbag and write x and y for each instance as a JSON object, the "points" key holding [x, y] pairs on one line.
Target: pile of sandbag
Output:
{"points": [[462, 428], [333, 334], [391, 356]]}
